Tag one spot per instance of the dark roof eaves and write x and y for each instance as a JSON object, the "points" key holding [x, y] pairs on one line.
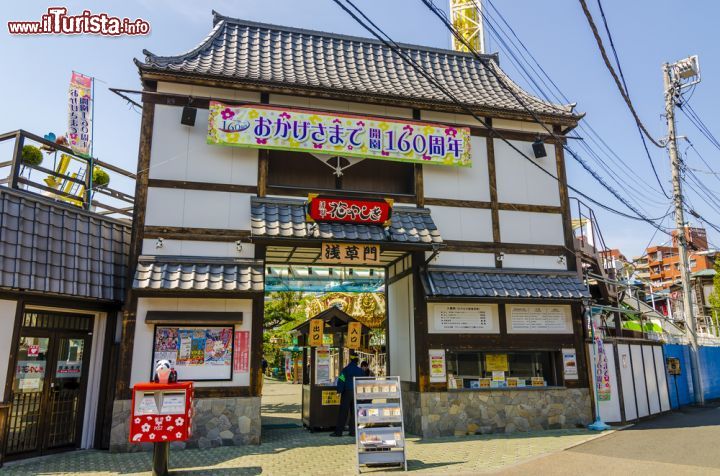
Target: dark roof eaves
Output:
{"points": [[481, 109]]}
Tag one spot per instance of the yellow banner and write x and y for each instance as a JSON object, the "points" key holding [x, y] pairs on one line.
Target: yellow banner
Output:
{"points": [[349, 135], [354, 335], [315, 336], [496, 362]]}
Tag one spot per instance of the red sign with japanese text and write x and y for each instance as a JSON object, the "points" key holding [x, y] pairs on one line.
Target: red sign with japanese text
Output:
{"points": [[331, 209], [241, 360], [161, 412]]}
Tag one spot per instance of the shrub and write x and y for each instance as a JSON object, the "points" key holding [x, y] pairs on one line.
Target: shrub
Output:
{"points": [[31, 155], [100, 178]]}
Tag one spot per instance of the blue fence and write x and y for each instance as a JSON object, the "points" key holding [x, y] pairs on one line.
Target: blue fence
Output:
{"points": [[680, 386]]}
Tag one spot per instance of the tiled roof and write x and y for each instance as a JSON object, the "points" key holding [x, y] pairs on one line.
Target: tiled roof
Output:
{"points": [[59, 249], [261, 54], [455, 282], [204, 275], [286, 219], [704, 273]]}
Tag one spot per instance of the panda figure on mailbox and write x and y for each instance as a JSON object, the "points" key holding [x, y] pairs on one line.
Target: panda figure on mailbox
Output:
{"points": [[164, 373]]}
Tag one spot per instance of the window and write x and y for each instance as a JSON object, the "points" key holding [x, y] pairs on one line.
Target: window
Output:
{"points": [[303, 170], [484, 369]]}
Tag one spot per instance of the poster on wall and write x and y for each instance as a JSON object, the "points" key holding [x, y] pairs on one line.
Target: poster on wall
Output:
{"points": [[282, 128], [496, 362], [464, 319], [196, 353], [570, 370], [322, 366], [241, 362], [437, 365], [539, 319]]}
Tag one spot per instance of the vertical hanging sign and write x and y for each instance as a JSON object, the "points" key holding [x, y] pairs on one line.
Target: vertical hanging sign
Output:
{"points": [[602, 374], [354, 333], [315, 336], [80, 111]]}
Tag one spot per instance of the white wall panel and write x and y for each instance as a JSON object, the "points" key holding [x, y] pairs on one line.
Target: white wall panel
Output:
{"points": [[206, 209], [651, 380], [165, 206], [626, 379], [460, 183], [95, 373], [640, 385], [401, 335], [169, 152], [340, 106], [197, 248], [143, 341], [450, 118], [456, 223], [533, 262], [530, 227], [521, 126], [609, 409], [8, 309], [661, 378], [456, 258], [520, 181]]}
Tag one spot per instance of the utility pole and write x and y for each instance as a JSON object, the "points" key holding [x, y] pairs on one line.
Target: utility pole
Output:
{"points": [[673, 76]]}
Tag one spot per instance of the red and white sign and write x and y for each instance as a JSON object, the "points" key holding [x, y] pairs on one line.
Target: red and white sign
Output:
{"points": [[241, 356], [33, 350], [161, 412], [332, 209]]}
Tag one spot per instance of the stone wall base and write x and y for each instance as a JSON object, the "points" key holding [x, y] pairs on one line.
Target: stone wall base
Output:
{"points": [[217, 422], [459, 413]]}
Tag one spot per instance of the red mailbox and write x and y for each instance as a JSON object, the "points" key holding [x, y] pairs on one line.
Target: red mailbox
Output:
{"points": [[161, 413]]}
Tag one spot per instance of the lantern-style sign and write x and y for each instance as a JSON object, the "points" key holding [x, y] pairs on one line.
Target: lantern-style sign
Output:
{"points": [[344, 210], [315, 336], [354, 335]]}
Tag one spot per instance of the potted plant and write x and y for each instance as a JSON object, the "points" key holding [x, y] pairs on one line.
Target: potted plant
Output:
{"points": [[31, 156], [100, 178]]}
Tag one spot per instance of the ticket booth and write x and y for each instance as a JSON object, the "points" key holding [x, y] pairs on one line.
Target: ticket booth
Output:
{"points": [[326, 340]]}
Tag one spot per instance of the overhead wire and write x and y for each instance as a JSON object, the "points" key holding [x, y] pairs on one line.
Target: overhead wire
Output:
{"points": [[393, 46], [489, 66]]}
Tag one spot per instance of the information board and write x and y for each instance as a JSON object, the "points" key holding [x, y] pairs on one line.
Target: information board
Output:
{"points": [[539, 319], [196, 353], [459, 318], [437, 365]]}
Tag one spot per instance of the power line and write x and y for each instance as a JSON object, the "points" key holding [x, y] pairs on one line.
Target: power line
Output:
{"points": [[490, 67], [610, 68]]}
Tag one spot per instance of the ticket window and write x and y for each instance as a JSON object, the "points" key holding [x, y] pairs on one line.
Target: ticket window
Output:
{"points": [[470, 367]]}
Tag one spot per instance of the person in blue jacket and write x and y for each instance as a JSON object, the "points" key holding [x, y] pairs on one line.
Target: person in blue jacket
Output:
{"points": [[346, 389]]}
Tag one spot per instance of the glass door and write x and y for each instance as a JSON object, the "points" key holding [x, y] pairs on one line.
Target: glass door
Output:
{"points": [[48, 392], [28, 391]]}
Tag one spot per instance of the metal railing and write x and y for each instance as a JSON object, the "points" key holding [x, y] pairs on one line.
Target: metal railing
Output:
{"points": [[69, 181]]}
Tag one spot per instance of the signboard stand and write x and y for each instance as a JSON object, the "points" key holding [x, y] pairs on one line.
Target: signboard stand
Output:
{"points": [[379, 426]]}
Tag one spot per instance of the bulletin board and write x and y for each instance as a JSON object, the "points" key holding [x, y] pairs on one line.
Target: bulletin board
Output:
{"points": [[198, 353]]}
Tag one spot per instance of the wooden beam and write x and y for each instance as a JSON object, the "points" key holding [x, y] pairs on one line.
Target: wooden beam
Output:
{"points": [[492, 177], [568, 236], [420, 316], [195, 234], [204, 186], [256, 334], [511, 248], [129, 315]]}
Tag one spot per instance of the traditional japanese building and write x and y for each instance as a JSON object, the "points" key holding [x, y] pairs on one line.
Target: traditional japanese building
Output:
{"points": [[268, 145]]}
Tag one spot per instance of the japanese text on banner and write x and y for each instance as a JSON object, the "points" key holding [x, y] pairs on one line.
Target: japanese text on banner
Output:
{"points": [[269, 127], [80, 114]]}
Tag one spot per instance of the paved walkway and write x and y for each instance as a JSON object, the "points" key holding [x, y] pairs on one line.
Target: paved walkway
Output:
{"points": [[288, 449], [298, 452]]}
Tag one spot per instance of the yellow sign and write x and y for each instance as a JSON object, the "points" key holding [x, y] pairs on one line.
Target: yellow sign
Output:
{"points": [[315, 336], [349, 253], [537, 382], [485, 383], [354, 335], [330, 397], [496, 362], [512, 382]]}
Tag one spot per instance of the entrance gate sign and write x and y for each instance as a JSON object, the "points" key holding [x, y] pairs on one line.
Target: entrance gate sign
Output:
{"points": [[348, 253], [331, 209], [281, 128]]}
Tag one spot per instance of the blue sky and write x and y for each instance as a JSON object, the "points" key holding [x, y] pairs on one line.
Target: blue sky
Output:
{"points": [[647, 33]]}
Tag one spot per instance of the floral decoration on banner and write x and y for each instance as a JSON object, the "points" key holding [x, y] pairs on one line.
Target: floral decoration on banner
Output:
{"points": [[269, 127]]}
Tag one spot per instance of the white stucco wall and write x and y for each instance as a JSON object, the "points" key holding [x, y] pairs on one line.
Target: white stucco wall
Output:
{"points": [[401, 336], [143, 343], [457, 258], [181, 152], [197, 248], [198, 208], [534, 262], [340, 106], [460, 183], [8, 309], [531, 227], [469, 224], [520, 180]]}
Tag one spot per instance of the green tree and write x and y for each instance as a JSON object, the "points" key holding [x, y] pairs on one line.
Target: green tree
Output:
{"points": [[282, 307], [715, 295]]}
